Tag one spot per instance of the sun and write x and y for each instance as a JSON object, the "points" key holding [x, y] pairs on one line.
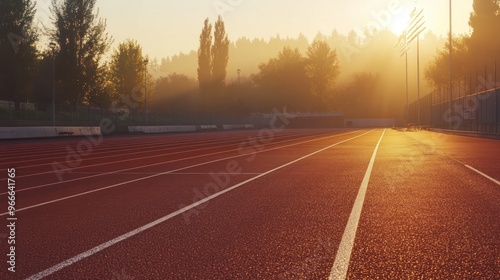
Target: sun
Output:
{"points": [[399, 23]]}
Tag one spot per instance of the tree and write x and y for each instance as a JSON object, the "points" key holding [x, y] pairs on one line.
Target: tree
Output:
{"points": [[212, 62], [82, 41], [437, 72], [484, 42], [359, 98], [101, 94], [323, 70], [220, 56], [284, 82], [127, 68], [42, 82], [469, 52], [205, 61], [175, 93], [17, 49]]}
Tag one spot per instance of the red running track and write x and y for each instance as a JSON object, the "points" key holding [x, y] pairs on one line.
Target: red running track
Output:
{"points": [[293, 204]]}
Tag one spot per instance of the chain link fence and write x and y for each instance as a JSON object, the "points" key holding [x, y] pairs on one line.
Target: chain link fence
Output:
{"points": [[473, 105], [41, 114]]}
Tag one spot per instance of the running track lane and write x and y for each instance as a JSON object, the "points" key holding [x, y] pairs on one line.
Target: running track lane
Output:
{"points": [[428, 216], [80, 216], [289, 223]]}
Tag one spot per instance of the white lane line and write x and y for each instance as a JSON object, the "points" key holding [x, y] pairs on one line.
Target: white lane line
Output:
{"points": [[166, 172], [127, 235], [165, 147], [177, 160], [177, 173], [151, 148], [341, 263], [215, 173], [483, 174], [466, 165], [134, 159]]}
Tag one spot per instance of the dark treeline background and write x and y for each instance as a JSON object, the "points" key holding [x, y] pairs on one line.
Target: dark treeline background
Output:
{"points": [[361, 75], [370, 83]]}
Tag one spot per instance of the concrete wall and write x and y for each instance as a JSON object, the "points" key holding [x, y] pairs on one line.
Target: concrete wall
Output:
{"points": [[185, 128], [237, 126], [369, 122], [467, 133], [162, 129], [46, 131]]}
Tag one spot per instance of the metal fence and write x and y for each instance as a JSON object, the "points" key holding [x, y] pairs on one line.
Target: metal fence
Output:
{"points": [[473, 105], [41, 114]]}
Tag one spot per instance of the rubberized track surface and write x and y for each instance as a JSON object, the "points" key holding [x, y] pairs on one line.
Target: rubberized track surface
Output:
{"points": [[293, 204]]}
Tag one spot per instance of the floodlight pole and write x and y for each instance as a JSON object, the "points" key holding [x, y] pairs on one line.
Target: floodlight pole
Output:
{"points": [[407, 98], [415, 27], [146, 61], [418, 79], [52, 46], [404, 49], [451, 65]]}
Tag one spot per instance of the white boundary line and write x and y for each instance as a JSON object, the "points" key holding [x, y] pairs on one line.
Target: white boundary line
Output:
{"points": [[151, 148], [341, 263], [464, 164], [176, 173], [177, 160], [483, 174], [162, 173], [164, 147], [129, 234], [120, 161]]}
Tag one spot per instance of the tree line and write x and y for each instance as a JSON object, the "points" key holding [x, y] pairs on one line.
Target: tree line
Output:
{"points": [[470, 52], [75, 66], [74, 61], [333, 73]]}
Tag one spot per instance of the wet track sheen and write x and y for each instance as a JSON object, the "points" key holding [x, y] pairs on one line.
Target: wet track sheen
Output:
{"points": [[258, 204]]}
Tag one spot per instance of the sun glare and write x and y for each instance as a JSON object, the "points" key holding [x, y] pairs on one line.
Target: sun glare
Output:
{"points": [[399, 23]]}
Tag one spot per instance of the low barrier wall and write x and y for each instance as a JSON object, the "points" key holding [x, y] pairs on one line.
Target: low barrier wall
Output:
{"points": [[466, 133], [47, 131], [162, 129], [237, 126]]}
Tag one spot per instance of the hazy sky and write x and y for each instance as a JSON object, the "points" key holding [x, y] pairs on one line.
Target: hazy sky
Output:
{"points": [[167, 27]]}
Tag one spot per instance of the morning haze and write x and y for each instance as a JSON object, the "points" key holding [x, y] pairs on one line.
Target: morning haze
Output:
{"points": [[267, 46]]}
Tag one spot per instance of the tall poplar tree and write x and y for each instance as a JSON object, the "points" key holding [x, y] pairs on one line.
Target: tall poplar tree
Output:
{"points": [[220, 56], [83, 41], [127, 68], [484, 42], [18, 52], [205, 62], [323, 70]]}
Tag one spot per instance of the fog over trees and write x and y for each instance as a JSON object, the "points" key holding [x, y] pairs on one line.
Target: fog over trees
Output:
{"points": [[357, 57], [18, 51], [471, 53], [361, 75]]}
